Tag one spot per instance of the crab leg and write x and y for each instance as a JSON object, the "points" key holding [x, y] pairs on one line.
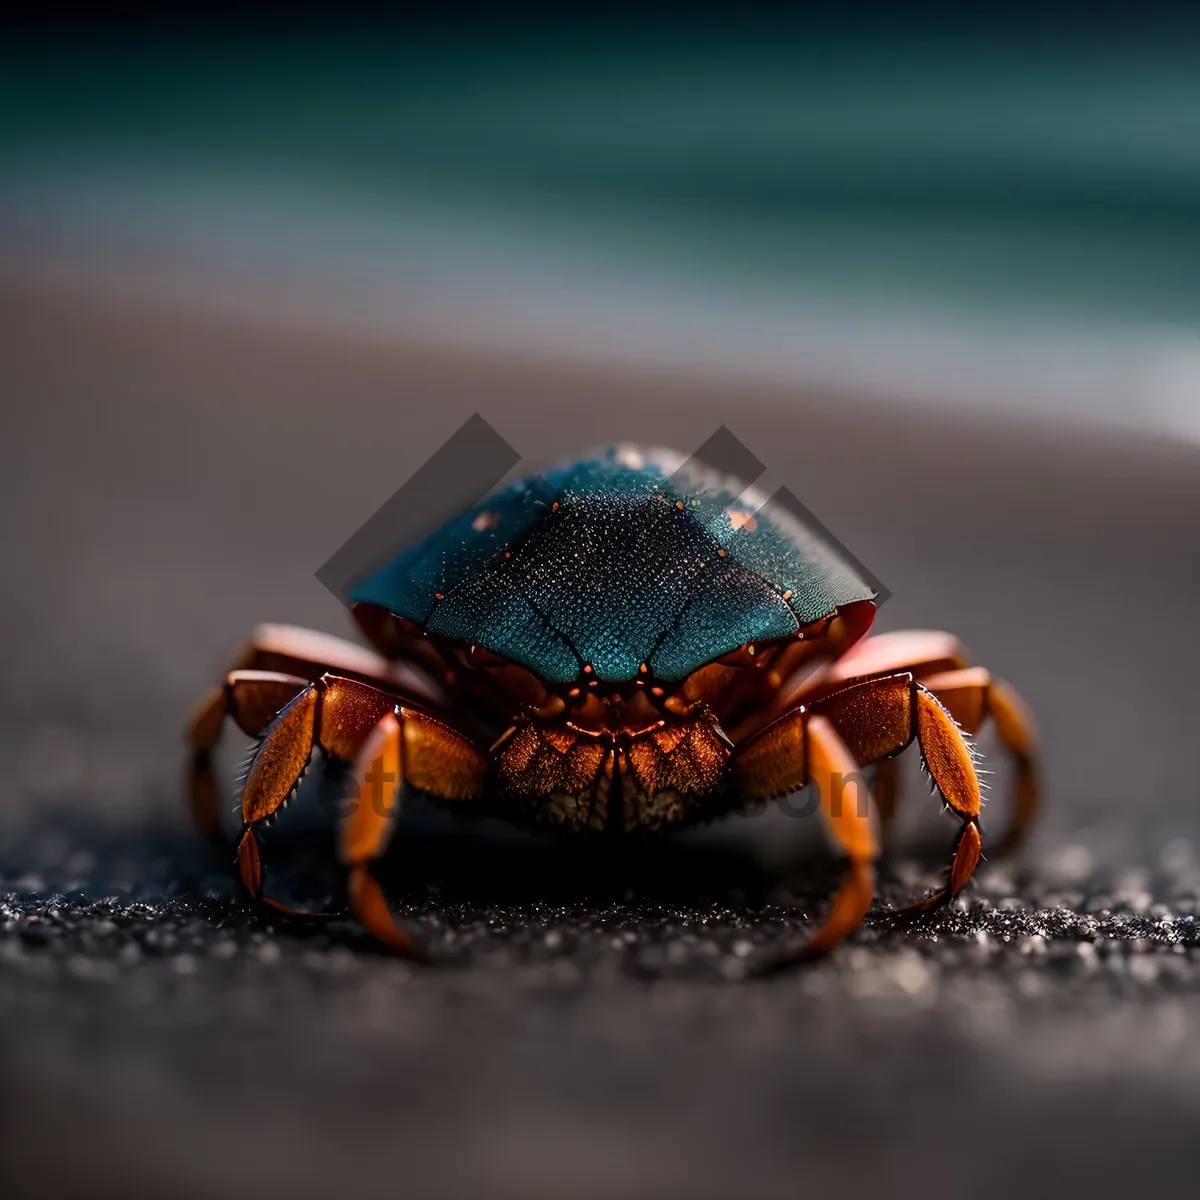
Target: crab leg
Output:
{"points": [[797, 749], [880, 717], [353, 721], [311, 653], [972, 695], [251, 699], [404, 747], [278, 652], [917, 650]]}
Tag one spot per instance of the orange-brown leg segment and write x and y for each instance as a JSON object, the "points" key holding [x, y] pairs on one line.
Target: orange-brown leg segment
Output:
{"points": [[405, 747], [200, 785], [366, 829], [918, 650], [312, 654], [880, 717], [251, 699], [276, 650], [343, 716], [797, 749], [972, 695]]}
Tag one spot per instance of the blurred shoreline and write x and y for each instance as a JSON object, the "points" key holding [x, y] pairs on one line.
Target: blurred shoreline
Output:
{"points": [[323, 270], [974, 216]]}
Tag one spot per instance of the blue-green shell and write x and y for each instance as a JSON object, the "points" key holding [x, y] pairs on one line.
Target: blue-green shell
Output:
{"points": [[604, 563]]}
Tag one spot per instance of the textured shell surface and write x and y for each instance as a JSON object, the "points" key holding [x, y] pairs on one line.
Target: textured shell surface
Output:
{"points": [[627, 557]]}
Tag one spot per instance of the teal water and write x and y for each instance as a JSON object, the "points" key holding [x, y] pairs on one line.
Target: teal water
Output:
{"points": [[975, 173]]}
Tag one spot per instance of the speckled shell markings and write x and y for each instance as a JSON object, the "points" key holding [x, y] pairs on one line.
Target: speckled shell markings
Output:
{"points": [[604, 563]]}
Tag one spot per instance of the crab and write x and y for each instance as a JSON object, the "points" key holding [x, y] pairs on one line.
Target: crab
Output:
{"points": [[629, 643]]}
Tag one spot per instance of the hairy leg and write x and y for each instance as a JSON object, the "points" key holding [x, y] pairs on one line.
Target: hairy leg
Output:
{"points": [[274, 652], [878, 718], [251, 699], [971, 694], [372, 728]]}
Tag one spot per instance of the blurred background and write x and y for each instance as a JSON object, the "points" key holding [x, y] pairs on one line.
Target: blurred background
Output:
{"points": [[938, 271], [989, 209]]}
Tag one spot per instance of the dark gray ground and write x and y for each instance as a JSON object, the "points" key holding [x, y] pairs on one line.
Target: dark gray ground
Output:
{"points": [[169, 479]]}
